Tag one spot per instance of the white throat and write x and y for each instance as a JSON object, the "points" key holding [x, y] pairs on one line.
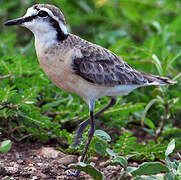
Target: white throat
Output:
{"points": [[45, 34]]}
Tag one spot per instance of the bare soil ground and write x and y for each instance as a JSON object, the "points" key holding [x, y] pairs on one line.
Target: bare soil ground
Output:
{"points": [[37, 161], [43, 161]]}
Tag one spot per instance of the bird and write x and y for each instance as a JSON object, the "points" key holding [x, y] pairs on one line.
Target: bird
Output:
{"points": [[79, 66]]}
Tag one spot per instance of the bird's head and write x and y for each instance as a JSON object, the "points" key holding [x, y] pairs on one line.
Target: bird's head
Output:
{"points": [[43, 19]]}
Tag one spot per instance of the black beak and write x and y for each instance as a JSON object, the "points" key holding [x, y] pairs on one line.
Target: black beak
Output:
{"points": [[17, 21]]}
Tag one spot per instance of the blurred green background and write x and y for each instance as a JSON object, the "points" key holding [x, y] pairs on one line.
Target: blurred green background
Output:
{"points": [[146, 34]]}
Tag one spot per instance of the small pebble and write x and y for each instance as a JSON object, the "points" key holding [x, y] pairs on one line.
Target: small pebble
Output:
{"points": [[40, 164], [102, 164], [50, 152], [19, 161], [30, 165], [94, 159], [92, 163], [34, 178], [41, 175], [68, 160], [111, 167]]}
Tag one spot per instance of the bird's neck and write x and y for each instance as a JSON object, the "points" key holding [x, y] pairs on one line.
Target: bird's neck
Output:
{"points": [[45, 39], [48, 38]]}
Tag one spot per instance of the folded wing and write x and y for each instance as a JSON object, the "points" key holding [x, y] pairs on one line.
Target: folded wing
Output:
{"points": [[102, 67]]}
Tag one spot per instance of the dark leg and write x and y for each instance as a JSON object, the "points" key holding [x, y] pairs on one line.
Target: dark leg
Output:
{"points": [[83, 125], [90, 135]]}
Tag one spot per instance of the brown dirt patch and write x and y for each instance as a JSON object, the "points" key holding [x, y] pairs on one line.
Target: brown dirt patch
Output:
{"points": [[37, 161]]}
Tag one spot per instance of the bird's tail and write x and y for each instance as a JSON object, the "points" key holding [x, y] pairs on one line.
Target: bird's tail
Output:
{"points": [[157, 80]]}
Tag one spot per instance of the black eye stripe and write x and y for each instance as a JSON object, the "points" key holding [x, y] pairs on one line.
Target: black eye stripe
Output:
{"points": [[29, 18]]}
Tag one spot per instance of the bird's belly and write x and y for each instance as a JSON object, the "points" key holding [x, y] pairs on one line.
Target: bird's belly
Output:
{"points": [[119, 90], [62, 77], [73, 83]]}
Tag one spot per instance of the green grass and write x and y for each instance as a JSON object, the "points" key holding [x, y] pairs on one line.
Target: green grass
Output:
{"points": [[146, 34]]}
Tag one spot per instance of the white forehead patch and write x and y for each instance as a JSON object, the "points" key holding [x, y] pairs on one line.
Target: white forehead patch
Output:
{"points": [[62, 26], [30, 12]]}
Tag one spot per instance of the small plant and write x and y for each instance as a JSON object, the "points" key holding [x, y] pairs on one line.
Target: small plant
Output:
{"points": [[5, 146], [127, 145], [173, 166], [170, 170]]}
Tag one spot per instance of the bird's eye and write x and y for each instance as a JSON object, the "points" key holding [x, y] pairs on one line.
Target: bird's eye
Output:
{"points": [[42, 14]]}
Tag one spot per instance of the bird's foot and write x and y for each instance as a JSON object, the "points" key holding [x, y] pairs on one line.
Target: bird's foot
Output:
{"points": [[73, 174]]}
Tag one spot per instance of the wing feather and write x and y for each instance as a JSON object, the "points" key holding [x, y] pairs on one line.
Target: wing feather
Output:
{"points": [[100, 66]]}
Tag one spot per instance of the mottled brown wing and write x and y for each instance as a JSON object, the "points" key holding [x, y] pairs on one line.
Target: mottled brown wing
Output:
{"points": [[100, 66]]}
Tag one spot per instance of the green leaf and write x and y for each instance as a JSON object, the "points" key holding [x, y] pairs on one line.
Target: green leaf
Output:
{"points": [[157, 26], [5, 146], [150, 131], [177, 76], [125, 175], [157, 63], [173, 59], [102, 135], [170, 147], [100, 147], [148, 106], [179, 168], [149, 123], [149, 168], [169, 176], [89, 169], [119, 160], [110, 152]]}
